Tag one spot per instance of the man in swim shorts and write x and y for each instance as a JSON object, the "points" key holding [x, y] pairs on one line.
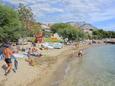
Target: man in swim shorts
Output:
{"points": [[8, 53]]}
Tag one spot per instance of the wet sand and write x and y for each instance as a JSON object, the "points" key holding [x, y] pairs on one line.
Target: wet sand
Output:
{"points": [[55, 73]]}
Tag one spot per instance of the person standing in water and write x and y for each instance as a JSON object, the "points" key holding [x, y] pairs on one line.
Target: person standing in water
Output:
{"points": [[80, 53], [8, 54]]}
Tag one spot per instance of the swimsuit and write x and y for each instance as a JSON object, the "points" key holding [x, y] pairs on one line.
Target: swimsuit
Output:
{"points": [[8, 60]]}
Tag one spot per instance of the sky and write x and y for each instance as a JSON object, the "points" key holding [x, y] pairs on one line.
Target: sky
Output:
{"points": [[100, 13]]}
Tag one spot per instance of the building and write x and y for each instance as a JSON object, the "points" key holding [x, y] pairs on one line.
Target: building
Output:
{"points": [[45, 27], [89, 31]]}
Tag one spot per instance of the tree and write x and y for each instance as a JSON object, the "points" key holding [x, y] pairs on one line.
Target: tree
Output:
{"points": [[10, 26], [100, 34], [26, 16], [67, 31]]}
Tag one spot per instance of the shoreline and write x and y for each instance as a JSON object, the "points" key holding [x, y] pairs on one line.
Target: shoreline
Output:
{"points": [[41, 73], [47, 75], [44, 76]]}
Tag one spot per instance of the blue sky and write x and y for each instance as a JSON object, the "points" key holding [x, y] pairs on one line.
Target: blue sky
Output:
{"points": [[100, 13]]}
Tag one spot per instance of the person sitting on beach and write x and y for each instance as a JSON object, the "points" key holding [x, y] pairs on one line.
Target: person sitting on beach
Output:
{"points": [[33, 44], [29, 52], [34, 49], [35, 52], [8, 53]]}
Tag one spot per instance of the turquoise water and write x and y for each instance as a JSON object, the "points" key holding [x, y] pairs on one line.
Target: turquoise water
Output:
{"points": [[95, 68]]}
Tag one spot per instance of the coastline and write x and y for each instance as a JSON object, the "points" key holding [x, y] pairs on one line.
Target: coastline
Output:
{"points": [[49, 73], [41, 73]]}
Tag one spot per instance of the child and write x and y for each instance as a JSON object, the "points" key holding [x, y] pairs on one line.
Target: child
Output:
{"points": [[15, 63]]}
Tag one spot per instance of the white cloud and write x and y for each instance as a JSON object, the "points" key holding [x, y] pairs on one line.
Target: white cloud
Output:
{"points": [[92, 10], [68, 10]]}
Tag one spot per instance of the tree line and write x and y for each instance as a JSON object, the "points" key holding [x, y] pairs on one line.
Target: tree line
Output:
{"points": [[101, 34], [15, 24]]}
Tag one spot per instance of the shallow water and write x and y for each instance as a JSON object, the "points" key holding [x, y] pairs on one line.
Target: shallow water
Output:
{"points": [[95, 68]]}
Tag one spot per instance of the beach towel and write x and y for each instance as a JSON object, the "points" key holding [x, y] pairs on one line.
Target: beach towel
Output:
{"points": [[20, 55]]}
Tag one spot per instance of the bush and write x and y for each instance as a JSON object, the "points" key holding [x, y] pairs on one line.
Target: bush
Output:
{"points": [[68, 31], [11, 28]]}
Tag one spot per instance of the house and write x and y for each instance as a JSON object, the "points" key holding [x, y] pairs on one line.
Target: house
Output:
{"points": [[89, 31], [45, 27]]}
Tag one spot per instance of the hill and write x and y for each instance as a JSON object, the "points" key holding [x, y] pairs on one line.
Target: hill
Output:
{"points": [[82, 25]]}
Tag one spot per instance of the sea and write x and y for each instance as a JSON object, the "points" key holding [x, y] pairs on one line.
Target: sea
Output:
{"points": [[95, 68]]}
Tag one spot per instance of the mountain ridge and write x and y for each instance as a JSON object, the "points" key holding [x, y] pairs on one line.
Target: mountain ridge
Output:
{"points": [[82, 25]]}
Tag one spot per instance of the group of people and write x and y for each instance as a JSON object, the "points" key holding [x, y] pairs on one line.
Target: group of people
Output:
{"points": [[9, 58]]}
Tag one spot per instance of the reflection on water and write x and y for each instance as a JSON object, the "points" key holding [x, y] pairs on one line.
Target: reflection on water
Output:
{"points": [[96, 68]]}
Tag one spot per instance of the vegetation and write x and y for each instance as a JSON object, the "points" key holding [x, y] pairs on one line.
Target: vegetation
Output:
{"points": [[27, 19], [100, 34], [67, 31], [26, 15], [10, 26]]}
